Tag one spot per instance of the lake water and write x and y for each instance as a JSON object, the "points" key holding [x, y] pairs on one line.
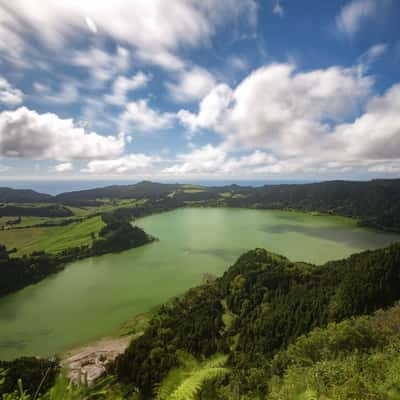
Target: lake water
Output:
{"points": [[92, 297]]}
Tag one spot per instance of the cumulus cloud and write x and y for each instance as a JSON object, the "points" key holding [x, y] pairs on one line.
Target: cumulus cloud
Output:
{"points": [[24, 133], [356, 13], [156, 27], [9, 95], [122, 86], [215, 160], [213, 110], [376, 133], [304, 121], [139, 115], [192, 85], [64, 167], [122, 165], [278, 108]]}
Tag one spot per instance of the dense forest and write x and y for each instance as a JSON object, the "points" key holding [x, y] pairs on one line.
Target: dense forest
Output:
{"points": [[267, 329], [257, 311], [49, 211]]}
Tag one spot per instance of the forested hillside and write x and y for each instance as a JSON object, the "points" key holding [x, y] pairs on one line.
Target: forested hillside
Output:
{"points": [[8, 195], [255, 313]]}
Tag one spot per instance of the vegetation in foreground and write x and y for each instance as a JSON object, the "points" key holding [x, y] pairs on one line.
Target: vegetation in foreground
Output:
{"points": [[269, 329]]}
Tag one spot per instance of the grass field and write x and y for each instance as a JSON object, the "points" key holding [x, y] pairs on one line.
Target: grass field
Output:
{"points": [[58, 238], [25, 221], [53, 239]]}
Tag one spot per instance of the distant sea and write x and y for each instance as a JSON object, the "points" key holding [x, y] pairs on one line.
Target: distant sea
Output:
{"points": [[61, 186]]}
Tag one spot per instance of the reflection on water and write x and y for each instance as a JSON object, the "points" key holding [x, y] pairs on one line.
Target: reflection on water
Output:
{"points": [[336, 234], [224, 254]]}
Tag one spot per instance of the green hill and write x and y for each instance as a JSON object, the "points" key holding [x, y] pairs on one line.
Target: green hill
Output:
{"points": [[261, 306]]}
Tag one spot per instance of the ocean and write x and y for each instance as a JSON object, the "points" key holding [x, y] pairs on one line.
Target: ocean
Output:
{"points": [[54, 187]]}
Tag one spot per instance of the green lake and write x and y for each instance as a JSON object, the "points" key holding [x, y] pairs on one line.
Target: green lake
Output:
{"points": [[93, 297]]}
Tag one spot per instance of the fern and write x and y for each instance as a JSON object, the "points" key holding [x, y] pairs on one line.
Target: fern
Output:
{"points": [[185, 382], [308, 395]]}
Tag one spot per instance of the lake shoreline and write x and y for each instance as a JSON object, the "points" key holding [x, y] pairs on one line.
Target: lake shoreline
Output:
{"points": [[97, 295]]}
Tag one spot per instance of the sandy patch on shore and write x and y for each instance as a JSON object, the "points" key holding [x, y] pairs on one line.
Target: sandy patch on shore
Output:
{"points": [[87, 363]]}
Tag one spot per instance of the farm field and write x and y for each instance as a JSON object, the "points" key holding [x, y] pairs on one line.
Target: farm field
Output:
{"points": [[51, 239]]}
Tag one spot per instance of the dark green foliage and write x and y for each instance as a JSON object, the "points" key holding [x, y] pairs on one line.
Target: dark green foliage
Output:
{"points": [[8, 195], [15, 273], [192, 323], [118, 235], [273, 301], [137, 191], [356, 359], [50, 211], [33, 372]]}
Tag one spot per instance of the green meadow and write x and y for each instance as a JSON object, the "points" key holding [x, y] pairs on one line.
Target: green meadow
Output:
{"points": [[51, 239]]}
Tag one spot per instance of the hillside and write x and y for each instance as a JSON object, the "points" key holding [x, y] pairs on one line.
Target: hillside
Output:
{"points": [[139, 190], [254, 312], [375, 203], [8, 195]]}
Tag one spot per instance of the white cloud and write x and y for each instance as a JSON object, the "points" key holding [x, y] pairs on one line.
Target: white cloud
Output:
{"points": [[278, 8], [9, 95], [161, 58], [370, 56], [26, 134], [122, 165], [103, 65], [385, 168], [376, 133], [212, 110], [155, 27], [139, 115], [281, 109], [192, 85], [64, 167], [67, 93], [301, 120], [356, 13], [216, 161], [123, 85], [11, 41], [207, 159]]}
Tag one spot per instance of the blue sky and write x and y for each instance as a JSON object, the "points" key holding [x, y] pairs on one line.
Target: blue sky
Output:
{"points": [[211, 89]]}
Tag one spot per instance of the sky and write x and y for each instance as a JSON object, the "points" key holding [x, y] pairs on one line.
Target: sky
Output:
{"points": [[190, 89]]}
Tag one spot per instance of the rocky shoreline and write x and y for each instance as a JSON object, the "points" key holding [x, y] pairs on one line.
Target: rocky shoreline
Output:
{"points": [[88, 363]]}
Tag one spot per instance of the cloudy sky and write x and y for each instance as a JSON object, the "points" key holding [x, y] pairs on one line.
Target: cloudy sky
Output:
{"points": [[199, 89]]}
